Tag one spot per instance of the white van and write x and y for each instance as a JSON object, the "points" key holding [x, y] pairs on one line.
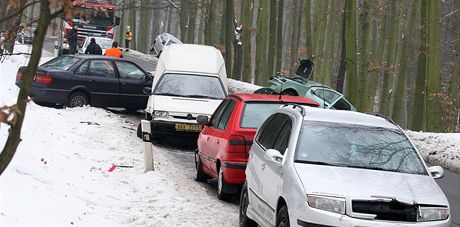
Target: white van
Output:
{"points": [[190, 80]]}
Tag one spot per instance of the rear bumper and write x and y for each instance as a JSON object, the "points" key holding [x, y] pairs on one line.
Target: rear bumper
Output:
{"points": [[168, 128], [234, 172], [48, 95]]}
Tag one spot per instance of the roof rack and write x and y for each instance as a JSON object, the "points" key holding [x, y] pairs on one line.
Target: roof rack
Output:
{"points": [[294, 106], [382, 116]]}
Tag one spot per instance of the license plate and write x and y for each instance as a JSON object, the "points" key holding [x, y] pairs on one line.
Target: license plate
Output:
{"points": [[188, 127]]}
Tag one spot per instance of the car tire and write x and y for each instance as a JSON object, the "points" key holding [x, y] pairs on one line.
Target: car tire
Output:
{"points": [[221, 184], [289, 92], [282, 218], [77, 99], [201, 176], [245, 221]]}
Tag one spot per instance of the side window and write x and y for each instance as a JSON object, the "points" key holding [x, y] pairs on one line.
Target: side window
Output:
{"points": [[83, 68], [342, 105], [282, 140], [270, 132], [226, 115], [218, 113], [101, 68], [128, 70]]}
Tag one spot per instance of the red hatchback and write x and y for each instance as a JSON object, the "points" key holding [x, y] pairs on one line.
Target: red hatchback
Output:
{"points": [[226, 138]]}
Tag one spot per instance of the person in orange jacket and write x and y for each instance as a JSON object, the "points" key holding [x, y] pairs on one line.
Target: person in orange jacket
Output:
{"points": [[114, 51]]}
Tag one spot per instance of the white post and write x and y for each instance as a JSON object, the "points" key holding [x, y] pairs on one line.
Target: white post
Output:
{"points": [[148, 153], [56, 48]]}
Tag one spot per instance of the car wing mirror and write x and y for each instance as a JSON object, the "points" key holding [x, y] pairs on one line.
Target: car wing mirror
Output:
{"points": [[436, 171], [149, 75], [274, 156], [147, 90], [202, 119]]}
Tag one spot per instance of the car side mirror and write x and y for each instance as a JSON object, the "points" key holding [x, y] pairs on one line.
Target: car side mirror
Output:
{"points": [[149, 75], [436, 171], [147, 91], [274, 156], [202, 119]]}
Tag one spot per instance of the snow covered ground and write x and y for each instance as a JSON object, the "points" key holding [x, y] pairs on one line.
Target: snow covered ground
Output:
{"points": [[60, 173]]}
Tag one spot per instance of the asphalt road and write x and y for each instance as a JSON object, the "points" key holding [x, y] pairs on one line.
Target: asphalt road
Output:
{"points": [[450, 183]]}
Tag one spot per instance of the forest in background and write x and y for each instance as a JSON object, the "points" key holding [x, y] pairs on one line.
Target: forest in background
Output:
{"points": [[396, 57]]}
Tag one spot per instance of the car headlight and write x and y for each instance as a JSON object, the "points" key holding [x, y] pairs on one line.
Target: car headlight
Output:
{"points": [[332, 204], [432, 213], [158, 113]]}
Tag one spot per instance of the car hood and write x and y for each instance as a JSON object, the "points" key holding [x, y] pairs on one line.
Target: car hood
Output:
{"points": [[178, 105], [354, 183]]}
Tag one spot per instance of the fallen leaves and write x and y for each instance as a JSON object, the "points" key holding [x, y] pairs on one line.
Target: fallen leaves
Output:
{"points": [[8, 114]]}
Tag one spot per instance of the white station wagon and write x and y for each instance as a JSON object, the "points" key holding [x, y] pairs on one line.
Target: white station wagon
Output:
{"points": [[190, 80], [316, 167]]}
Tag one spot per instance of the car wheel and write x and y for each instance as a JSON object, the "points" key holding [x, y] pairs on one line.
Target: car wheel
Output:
{"points": [[289, 92], [282, 218], [245, 221], [200, 175], [77, 99], [220, 186]]}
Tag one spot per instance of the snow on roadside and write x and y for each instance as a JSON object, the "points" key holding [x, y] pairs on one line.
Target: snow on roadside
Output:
{"points": [[236, 86], [59, 175]]}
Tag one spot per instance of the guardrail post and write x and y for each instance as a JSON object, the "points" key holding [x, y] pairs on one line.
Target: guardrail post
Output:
{"points": [[148, 152], [56, 48]]}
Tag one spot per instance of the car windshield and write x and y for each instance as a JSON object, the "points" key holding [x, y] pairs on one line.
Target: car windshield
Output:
{"points": [[255, 113], [61, 63], [356, 146], [193, 86], [103, 43]]}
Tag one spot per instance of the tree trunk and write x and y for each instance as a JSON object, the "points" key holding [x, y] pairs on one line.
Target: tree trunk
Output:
{"points": [[14, 136], [144, 28], [183, 22], [12, 26], [295, 24], [418, 111], [433, 83], [229, 35], [192, 23], [272, 38], [261, 72], [325, 52], [246, 21], [133, 19], [350, 45], [364, 53], [279, 36], [390, 60], [308, 30], [343, 55], [211, 24]]}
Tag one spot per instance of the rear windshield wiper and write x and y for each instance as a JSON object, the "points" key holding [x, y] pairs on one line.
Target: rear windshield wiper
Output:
{"points": [[316, 163]]}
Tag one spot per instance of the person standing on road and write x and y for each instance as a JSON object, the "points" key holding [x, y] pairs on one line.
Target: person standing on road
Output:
{"points": [[128, 37], [72, 38], [93, 48], [114, 51]]}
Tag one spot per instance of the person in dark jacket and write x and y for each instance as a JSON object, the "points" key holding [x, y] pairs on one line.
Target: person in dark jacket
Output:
{"points": [[93, 48], [72, 38]]}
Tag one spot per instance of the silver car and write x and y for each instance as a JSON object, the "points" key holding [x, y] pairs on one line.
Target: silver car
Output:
{"points": [[316, 167], [162, 41]]}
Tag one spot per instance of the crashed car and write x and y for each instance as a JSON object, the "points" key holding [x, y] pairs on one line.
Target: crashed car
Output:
{"points": [[161, 41], [300, 85]]}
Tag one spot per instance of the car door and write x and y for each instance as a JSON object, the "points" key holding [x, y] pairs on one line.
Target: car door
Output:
{"points": [[99, 77], [206, 133], [217, 142], [265, 140], [132, 82], [272, 172]]}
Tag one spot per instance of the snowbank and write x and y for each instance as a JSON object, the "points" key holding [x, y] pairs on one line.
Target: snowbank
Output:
{"points": [[236, 86]]}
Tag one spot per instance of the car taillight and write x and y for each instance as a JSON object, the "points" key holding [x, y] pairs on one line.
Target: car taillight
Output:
{"points": [[19, 75], [237, 144], [43, 79]]}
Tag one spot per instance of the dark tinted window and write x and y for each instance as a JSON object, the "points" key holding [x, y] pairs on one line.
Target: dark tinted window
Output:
{"points": [[62, 62], [218, 113], [342, 105], [226, 115], [282, 140], [270, 132], [101, 68], [193, 86]]}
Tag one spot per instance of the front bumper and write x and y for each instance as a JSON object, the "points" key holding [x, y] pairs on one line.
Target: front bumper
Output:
{"points": [[168, 128], [324, 218]]}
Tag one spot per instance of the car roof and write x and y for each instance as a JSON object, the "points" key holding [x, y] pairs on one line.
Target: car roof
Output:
{"points": [[93, 56], [347, 117], [268, 97], [192, 58]]}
